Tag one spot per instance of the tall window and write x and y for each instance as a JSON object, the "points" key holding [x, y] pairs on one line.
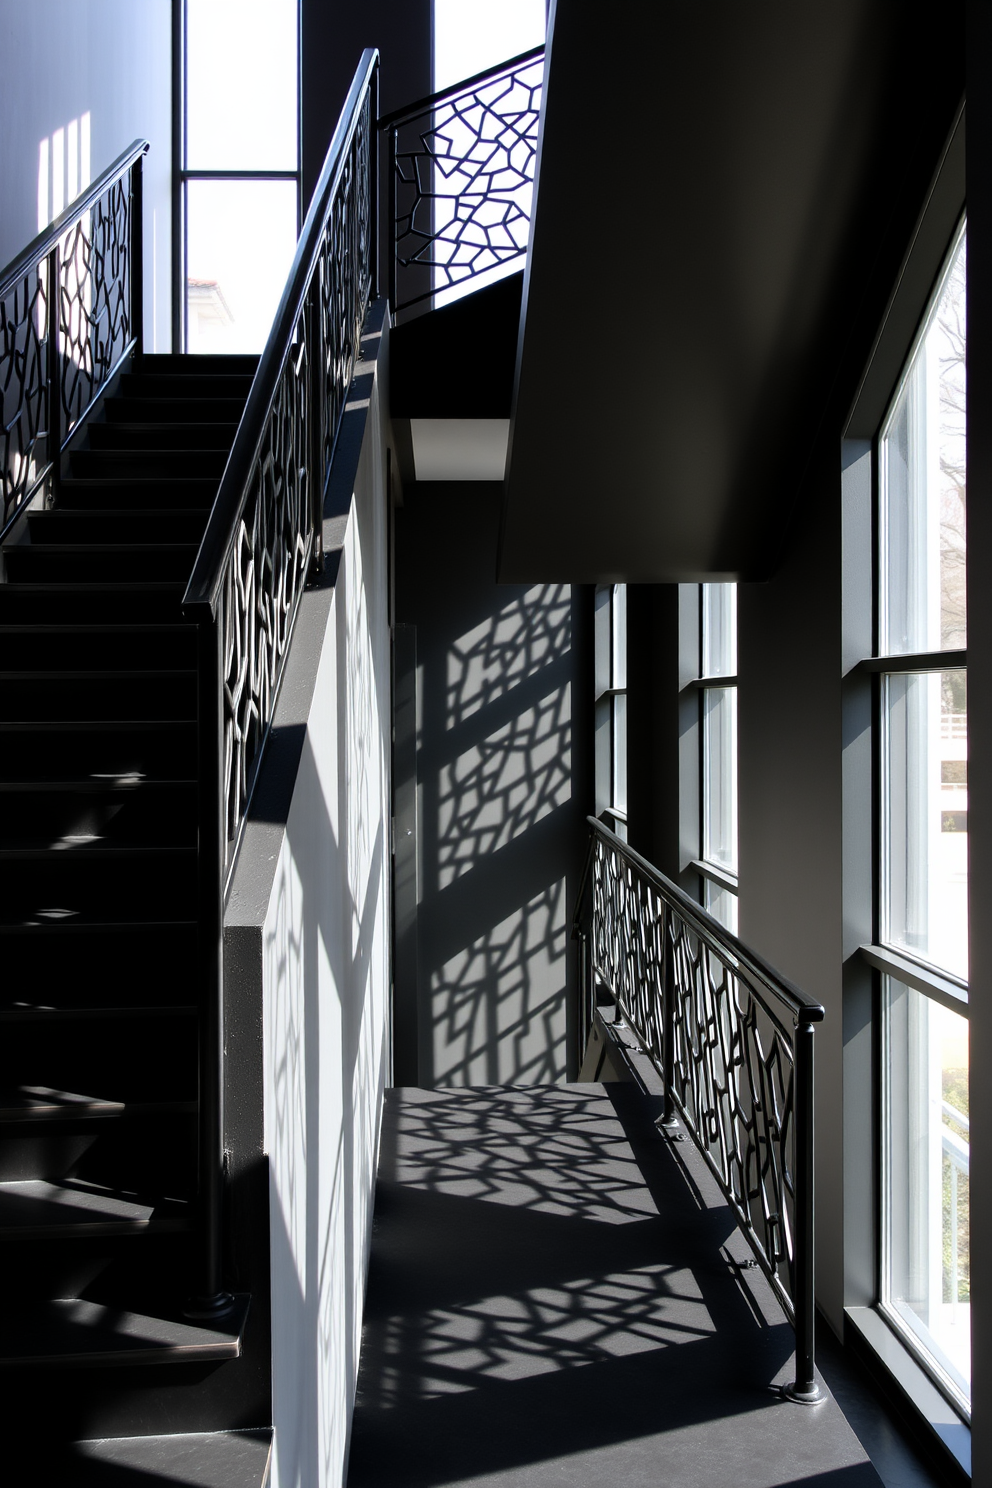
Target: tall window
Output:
{"points": [[240, 170], [718, 705], [611, 706], [922, 915]]}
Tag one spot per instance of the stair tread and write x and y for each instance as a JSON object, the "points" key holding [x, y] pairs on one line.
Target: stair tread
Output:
{"points": [[91, 845], [71, 922], [37, 1103], [219, 1459], [33, 1207], [26, 1012], [98, 785], [73, 1331]]}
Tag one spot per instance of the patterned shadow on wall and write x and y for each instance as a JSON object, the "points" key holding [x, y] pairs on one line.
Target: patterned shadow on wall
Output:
{"points": [[494, 770]]}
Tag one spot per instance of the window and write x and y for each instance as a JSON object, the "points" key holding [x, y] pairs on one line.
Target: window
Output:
{"points": [[718, 707], [239, 176], [922, 912], [611, 706]]}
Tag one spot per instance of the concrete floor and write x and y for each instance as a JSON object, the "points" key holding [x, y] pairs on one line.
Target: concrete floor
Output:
{"points": [[557, 1297]]}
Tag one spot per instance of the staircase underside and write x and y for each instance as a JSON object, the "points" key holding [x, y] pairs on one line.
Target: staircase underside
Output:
{"points": [[557, 1295], [707, 271]]}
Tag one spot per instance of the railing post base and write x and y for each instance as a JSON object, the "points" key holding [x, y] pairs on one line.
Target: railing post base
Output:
{"points": [[203, 1309], [804, 1394]]}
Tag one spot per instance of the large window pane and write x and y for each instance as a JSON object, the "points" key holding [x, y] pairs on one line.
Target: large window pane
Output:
{"points": [[922, 475], [241, 85], [241, 241], [926, 1250], [925, 817], [720, 776]]}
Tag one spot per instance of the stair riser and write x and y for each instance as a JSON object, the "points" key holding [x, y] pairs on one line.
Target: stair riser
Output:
{"points": [[148, 465], [106, 649], [116, 527], [26, 564], [158, 495], [110, 753], [39, 699], [164, 816], [89, 603], [136, 1059], [108, 1153], [187, 385], [136, 409], [61, 885], [174, 436]]}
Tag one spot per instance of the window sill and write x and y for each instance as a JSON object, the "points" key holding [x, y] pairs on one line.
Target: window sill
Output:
{"points": [[910, 1381], [721, 876]]}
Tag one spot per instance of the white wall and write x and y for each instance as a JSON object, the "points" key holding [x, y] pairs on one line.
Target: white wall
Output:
{"points": [[99, 65], [316, 884]]}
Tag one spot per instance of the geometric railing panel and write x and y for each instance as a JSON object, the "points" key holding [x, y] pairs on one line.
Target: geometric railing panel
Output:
{"points": [[463, 180], [89, 260], [732, 1042]]}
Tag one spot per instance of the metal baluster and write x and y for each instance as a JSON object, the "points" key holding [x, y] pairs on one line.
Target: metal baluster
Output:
{"points": [[669, 1119], [805, 1389], [137, 259], [55, 369]]}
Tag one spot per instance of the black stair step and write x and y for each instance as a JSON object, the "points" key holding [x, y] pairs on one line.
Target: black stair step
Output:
{"points": [[178, 525], [15, 1012], [144, 1060], [149, 648], [75, 1333], [56, 563], [167, 385], [87, 884], [40, 1105], [202, 410], [102, 494], [172, 435], [35, 1209], [91, 603], [219, 1459], [244, 363], [152, 464], [90, 695], [114, 813], [155, 749]]}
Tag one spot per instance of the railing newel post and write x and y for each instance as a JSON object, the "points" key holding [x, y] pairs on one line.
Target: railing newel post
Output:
{"points": [[669, 1118], [55, 368], [137, 326], [212, 1300], [805, 1390]]}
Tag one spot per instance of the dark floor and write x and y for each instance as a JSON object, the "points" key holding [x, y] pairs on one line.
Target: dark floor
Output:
{"points": [[556, 1297]]}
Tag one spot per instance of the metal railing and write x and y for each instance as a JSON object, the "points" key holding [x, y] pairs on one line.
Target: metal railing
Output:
{"points": [[70, 312], [733, 1043], [262, 542], [461, 179]]}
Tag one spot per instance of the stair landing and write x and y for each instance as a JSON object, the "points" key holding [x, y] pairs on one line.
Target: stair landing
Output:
{"points": [[558, 1295]]}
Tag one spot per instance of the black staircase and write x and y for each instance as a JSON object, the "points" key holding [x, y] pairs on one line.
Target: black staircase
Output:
{"points": [[98, 924], [160, 517]]}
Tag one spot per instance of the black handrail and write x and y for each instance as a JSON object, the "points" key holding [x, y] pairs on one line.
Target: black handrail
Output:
{"points": [[51, 236], [207, 577], [795, 1002], [728, 1078], [71, 312]]}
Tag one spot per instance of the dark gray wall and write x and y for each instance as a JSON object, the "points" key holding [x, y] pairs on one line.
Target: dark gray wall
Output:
{"points": [[334, 34], [504, 783]]}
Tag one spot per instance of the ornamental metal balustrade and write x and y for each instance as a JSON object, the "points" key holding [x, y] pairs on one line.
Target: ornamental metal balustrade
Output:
{"points": [[461, 180], [733, 1043], [69, 316], [263, 543]]}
